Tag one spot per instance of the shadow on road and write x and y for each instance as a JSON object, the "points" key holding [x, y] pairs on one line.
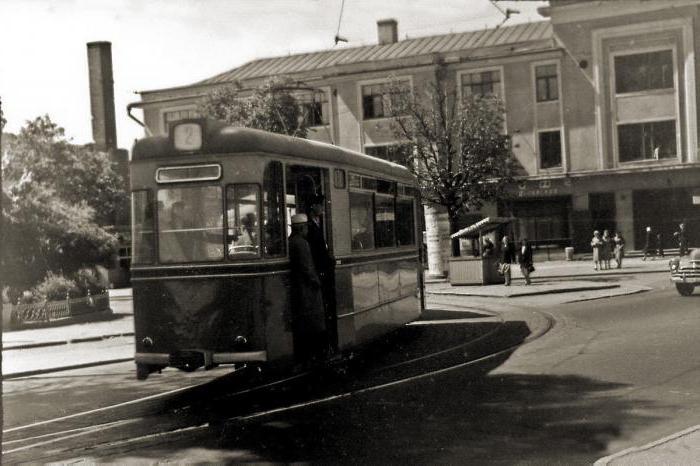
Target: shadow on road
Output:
{"points": [[508, 419]]}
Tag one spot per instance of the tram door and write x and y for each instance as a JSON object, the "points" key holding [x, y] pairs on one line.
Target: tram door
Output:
{"points": [[305, 186]]}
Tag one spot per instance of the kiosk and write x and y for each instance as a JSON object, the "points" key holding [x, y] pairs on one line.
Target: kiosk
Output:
{"points": [[480, 270]]}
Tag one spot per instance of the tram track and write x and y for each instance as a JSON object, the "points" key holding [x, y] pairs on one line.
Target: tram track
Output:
{"points": [[131, 424]]}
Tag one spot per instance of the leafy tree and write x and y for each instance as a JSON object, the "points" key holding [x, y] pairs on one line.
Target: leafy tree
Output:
{"points": [[460, 154], [270, 107], [42, 154], [53, 204]]}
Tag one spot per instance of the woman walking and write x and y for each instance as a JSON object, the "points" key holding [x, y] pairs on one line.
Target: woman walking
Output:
{"points": [[619, 249], [596, 245], [525, 260]]}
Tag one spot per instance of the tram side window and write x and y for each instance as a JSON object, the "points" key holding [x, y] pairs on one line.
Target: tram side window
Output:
{"points": [[243, 235], [142, 228], [405, 227], [384, 221], [190, 224], [361, 220], [273, 210]]}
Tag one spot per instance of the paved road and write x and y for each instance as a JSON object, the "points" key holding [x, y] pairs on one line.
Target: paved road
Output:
{"points": [[611, 374]]}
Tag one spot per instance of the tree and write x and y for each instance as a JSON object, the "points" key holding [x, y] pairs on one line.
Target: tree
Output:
{"points": [[270, 107], [56, 196], [460, 154]]}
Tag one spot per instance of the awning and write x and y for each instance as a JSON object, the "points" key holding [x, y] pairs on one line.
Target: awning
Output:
{"points": [[482, 226]]}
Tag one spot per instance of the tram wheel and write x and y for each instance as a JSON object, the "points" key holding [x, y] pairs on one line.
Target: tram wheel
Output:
{"points": [[685, 289]]}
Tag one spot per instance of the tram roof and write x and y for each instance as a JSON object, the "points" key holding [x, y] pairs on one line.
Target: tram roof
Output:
{"points": [[222, 139]]}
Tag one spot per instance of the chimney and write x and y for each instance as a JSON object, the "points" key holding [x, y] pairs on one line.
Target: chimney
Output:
{"points": [[104, 127], [387, 31]]}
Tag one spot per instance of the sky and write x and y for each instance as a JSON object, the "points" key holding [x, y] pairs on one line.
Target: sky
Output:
{"points": [[164, 43]]}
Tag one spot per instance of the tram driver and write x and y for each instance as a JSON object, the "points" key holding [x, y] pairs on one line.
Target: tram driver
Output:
{"points": [[245, 240]]}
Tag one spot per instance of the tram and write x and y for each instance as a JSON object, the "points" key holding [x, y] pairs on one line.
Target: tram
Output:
{"points": [[211, 210]]}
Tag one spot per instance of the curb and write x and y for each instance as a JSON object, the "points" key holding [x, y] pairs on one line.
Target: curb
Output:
{"points": [[649, 446], [17, 375], [66, 342], [520, 294]]}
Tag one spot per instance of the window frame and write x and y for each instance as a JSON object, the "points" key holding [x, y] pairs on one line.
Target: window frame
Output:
{"points": [[501, 69], [536, 79], [325, 90], [383, 81], [615, 123], [538, 143], [259, 255]]}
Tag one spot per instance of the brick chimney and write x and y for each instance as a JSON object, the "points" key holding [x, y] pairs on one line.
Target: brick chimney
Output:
{"points": [[104, 127], [387, 31]]}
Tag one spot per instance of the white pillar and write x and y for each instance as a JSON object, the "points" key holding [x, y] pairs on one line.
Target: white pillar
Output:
{"points": [[432, 238]]}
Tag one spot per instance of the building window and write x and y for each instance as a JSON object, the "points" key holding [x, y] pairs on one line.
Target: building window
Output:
{"points": [[172, 116], [377, 99], [482, 83], [647, 141], [546, 82], [550, 149], [397, 153], [644, 71], [315, 108]]}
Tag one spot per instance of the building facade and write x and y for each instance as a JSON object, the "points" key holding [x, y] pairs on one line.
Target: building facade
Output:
{"points": [[601, 105]]}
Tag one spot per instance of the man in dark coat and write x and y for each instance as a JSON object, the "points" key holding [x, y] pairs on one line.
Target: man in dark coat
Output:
{"points": [[306, 298], [324, 263]]}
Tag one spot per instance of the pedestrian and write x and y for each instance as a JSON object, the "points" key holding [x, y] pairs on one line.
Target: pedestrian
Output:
{"points": [[324, 263], [596, 245], [525, 260], [682, 240], [507, 258], [308, 316], [606, 250], [647, 243], [619, 249], [660, 244]]}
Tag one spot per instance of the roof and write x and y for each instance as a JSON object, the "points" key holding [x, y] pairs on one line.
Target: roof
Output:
{"points": [[222, 139], [445, 43], [482, 226]]}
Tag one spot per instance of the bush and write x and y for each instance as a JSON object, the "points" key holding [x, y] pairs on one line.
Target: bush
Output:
{"points": [[54, 288]]}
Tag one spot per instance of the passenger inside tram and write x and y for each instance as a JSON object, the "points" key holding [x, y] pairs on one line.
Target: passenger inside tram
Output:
{"points": [[244, 239]]}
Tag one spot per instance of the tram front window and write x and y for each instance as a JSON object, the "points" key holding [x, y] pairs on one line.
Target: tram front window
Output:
{"points": [[190, 224]]}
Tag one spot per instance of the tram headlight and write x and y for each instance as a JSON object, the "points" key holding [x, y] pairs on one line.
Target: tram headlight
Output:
{"points": [[147, 342], [240, 341]]}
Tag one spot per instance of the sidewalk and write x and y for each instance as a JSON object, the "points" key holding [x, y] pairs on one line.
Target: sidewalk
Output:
{"points": [[119, 324], [560, 276]]}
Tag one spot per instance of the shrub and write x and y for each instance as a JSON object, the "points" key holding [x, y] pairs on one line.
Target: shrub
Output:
{"points": [[54, 288]]}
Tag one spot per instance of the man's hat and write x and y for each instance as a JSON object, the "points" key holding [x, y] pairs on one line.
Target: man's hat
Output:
{"points": [[299, 218]]}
